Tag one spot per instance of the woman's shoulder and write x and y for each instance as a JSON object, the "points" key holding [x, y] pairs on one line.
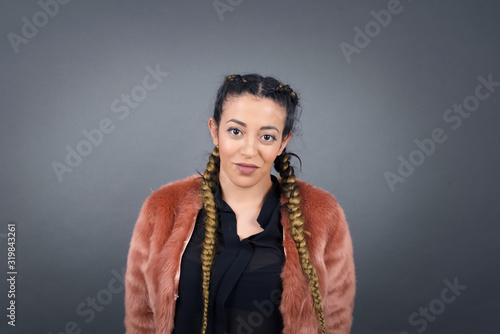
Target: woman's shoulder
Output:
{"points": [[175, 192], [316, 197], [320, 207]]}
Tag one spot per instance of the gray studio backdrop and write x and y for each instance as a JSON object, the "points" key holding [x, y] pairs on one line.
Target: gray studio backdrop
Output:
{"points": [[105, 101]]}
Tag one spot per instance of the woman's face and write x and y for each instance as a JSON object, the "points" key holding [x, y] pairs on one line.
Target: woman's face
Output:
{"points": [[249, 138]]}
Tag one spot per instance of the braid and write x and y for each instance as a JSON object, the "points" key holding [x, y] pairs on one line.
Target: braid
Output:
{"points": [[208, 251], [291, 192], [287, 89]]}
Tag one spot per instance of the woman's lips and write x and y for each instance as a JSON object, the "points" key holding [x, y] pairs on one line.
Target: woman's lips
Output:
{"points": [[246, 168]]}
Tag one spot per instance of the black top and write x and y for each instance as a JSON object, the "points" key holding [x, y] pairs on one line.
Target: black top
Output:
{"points": [[245, 287]]}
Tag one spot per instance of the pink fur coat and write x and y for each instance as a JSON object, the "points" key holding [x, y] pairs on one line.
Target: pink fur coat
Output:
{"points": [[164, 227]]}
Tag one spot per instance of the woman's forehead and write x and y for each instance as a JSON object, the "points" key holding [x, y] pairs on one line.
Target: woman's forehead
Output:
{"points": [[253, 108]]}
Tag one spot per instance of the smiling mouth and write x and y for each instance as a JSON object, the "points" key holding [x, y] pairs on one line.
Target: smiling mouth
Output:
{"points": [[246, 168]]}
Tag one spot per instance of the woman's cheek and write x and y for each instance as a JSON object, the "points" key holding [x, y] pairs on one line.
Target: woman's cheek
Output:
{"points": [[271, 155]]}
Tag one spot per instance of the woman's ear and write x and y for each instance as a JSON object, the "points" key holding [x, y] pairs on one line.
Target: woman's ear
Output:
{"points": [[212, 126], [285, 142]]}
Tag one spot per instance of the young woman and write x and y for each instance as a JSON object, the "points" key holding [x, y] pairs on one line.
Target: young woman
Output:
{"points": [[237, 250]]}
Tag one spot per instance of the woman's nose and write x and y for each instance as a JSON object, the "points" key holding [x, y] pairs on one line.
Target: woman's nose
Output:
{"points": [[249, 147]]}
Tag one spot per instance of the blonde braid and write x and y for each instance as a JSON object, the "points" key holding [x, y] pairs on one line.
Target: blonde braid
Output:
{"points": [[208, 251], [291, 192]]}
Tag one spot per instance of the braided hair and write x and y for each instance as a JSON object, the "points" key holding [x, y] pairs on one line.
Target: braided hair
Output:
{"points": [[283, 95]]}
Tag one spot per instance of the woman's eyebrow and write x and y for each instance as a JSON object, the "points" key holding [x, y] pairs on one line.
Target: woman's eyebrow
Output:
{"points": [[269, 127], [236, 121]]}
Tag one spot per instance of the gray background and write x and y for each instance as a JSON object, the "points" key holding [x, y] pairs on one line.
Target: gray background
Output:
{"points": [[358, 118]]}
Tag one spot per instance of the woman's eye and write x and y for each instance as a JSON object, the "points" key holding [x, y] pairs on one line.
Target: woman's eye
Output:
{"points": [[234, 131], [268, 138]]}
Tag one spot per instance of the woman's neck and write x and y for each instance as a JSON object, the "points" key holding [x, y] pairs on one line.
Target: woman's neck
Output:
{"points": [[245, 198]]}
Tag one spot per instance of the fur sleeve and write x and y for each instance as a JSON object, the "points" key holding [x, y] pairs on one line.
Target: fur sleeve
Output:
{"points": [[138, 313], [341, 280]]}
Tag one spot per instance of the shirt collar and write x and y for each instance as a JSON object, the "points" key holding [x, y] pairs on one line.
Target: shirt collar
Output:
{"points": [[272, 200]]}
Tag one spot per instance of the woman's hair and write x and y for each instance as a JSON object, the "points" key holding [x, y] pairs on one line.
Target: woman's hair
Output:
{"points": [[233, 86]]}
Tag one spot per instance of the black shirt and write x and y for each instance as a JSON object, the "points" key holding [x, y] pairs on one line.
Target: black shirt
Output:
{"points": [[245, 287]]}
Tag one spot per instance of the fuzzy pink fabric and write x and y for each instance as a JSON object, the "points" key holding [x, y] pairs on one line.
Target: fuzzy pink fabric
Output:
{"points": [[164, 227]]}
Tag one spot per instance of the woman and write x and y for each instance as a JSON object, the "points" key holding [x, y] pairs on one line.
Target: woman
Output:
{"points": [[236, 250]]}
